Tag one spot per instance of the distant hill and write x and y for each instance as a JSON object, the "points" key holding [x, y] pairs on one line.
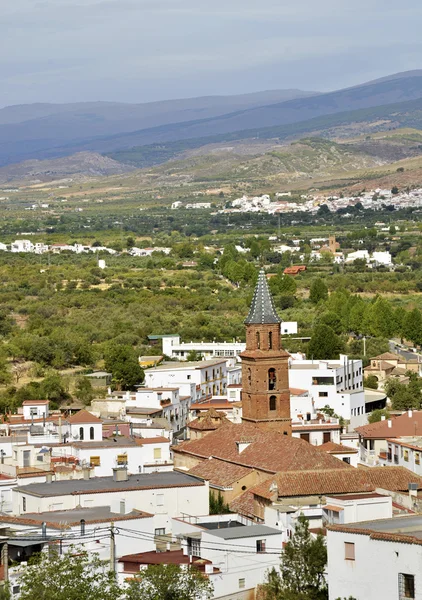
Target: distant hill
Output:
{"points": [[82, 164], [148, 134], [29, 128]]}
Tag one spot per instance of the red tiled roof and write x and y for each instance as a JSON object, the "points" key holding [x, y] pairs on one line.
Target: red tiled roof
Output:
{"points": [[219, 472], [401, 426], [340, 481], [83, 416], [297, 391], [243, 504], [209, 422], [152, 440], [333, 448], [307, 426], [268, 450], [170, 557]]}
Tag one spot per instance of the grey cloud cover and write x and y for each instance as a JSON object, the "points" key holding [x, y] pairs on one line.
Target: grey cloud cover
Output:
{"points": [[142, 50]]}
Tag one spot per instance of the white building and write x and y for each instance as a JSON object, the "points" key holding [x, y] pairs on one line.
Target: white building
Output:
{"points": [[382, 258], [22, 246], [376, 559], [405, 452], [174, 348], [165, 495], [336, 383], [358, 255], [354, 508], [209, 376]]}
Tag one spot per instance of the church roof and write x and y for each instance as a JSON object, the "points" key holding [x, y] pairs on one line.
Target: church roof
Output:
{"points": [[262, 309]]}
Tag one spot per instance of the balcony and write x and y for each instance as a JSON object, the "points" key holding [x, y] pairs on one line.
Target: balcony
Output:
{"points": [[368, 457]]}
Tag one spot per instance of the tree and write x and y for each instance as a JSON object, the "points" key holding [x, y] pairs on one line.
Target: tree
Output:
{"points": [[75, 575], [303, 563], [193, 356], [371, 382], [394, 190], [324, 343], [333, 320], [122, 361], [169, 582], [412, 326], [318, 291], [84, 390], [376, 415], [217, 504], [53, 388]]}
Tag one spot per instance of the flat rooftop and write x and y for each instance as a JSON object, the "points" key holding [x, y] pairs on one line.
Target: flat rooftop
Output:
{"points": [[147, 481], [200, 364], [236, 533]]}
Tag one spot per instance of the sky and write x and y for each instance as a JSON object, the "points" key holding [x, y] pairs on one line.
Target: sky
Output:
{"points": [[146, 50]]}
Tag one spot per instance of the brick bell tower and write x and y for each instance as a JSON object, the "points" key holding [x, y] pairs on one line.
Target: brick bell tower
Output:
{"points": [[265, 369]]}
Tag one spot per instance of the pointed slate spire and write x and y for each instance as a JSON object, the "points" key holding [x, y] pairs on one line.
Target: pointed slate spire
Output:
{"points": [[262, 309]]}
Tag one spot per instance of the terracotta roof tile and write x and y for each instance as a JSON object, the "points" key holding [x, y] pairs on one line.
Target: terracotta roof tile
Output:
{"points": [[219, 472], [268, 450], [83, 416], [333, 448], [401, 426], [340, 481], [243, 504]]}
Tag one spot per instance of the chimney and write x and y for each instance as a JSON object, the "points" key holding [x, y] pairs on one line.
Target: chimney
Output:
{"points": [[120, 474], [49, 478], [390, 423], [82, 526], [86, 472], [44, 530], [382, 417], [410, 412]]}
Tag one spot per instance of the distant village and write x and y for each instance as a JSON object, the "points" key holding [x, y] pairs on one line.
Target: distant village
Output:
{"points": [[373, 199]]}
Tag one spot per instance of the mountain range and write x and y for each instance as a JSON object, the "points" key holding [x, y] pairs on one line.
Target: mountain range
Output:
{"points": [[145, 134]]}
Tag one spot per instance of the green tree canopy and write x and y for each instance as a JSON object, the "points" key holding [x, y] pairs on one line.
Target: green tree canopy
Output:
{"points": [[84, 390], [75, 575], [122, 361], [376, 415], [169, 582], [324, 343], [318, 291], [303, 563]]}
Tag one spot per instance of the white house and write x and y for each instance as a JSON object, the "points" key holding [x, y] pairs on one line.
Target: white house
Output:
{"points": [[166, 495], [376, 559], [381, 258], [336, 383], [35, 409], [209, 376], [405, 452], [354, 508], [22, 246]]}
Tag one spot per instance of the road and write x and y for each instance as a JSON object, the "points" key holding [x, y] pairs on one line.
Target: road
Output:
{"points": [[405, 353]]}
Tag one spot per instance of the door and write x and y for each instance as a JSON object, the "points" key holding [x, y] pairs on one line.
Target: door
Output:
{"points": [[27, 458], [326, 437], [305, 436]]}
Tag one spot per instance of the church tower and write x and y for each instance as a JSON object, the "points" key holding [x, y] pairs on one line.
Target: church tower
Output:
{"points": [[265, 369]]}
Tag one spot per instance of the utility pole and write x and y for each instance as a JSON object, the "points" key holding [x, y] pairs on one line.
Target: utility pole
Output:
{"points": [[364, 346], [112, 549], [5, 561]]}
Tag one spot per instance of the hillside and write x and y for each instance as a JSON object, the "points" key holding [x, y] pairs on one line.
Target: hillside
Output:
{"points": [[42, 127], [80, 165]]}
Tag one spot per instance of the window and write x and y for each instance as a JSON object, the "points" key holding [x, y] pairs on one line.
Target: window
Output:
{"points": [[258, 340], [157, 453], [16, 589], [160, 531], [122, 459], [406, 455], [249, 377], [95, 461], [323, 381], [81, 433], [260, 546], [323, 394], [349, 551], [417, 458], [188, 376], [24, 504], [33, 412], [159, 498], [346, 459], [273, 403], [272, 379], [406, 586], [270, 340], [242, 583], [91, 433]]}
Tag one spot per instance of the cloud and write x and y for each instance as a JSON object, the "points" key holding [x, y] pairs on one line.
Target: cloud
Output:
{"points": [[135, 50]]}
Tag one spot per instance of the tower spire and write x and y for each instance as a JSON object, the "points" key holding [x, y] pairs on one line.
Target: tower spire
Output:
{"points": [[262, 310]]}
